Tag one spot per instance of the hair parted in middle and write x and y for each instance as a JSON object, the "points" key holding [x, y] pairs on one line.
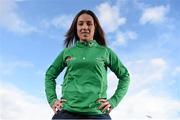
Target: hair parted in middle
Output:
{"points": [[72, 37]]}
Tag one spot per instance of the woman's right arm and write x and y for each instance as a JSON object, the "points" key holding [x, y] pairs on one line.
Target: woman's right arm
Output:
{"points": [[51, 74]]}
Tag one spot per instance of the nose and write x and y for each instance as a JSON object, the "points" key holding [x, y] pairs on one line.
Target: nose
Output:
{"points": [[85, 26]]}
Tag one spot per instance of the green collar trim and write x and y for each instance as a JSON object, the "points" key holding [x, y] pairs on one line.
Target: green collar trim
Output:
{"points": [[90, 43]]}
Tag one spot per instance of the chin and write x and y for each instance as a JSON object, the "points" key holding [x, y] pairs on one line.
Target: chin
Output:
{"points": [[85, 39]]}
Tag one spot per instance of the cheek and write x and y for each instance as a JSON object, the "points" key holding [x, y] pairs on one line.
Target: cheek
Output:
{"points": [[78, 31], [92, 31]]}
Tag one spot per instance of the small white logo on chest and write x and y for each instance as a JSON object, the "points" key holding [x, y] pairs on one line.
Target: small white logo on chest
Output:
{"points": [[69, 58]]}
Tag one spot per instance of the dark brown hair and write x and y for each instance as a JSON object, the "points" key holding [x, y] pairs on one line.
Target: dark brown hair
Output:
{"points": [[72, 37]]}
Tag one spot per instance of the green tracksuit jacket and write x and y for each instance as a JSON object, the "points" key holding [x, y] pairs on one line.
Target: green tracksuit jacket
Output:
{"points": [[85, 79]]}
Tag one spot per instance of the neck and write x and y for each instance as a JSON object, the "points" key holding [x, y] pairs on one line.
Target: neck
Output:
{"points": [[85, 40]]}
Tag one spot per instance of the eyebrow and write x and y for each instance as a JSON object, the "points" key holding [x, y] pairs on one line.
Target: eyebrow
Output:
{"points": [[85, 21]]}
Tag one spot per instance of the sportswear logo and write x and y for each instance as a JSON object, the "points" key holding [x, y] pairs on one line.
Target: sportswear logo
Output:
{"points": [[69, 58]]}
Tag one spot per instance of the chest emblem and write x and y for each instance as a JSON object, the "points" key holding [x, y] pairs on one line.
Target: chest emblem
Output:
{"points": [[68, 58]]}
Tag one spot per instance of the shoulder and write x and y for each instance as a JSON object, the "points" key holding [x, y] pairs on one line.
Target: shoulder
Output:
{"points": [[102, 47], [107, 49], [68, 49]]}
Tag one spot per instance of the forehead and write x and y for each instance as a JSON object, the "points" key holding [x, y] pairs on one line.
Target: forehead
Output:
{"points": [[85, 17]]}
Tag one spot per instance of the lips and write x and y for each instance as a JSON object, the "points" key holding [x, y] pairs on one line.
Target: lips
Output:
{"points": [[84, 32]]}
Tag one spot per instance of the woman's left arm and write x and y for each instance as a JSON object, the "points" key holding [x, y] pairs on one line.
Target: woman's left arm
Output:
{"points": [[122, 74], [50, 78]]}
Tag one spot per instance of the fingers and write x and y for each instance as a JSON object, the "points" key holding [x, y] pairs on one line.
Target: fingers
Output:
{"points": [[110, 110], [54, 109], [105, 106], [58, 105], [101, 100], [63, 100]]}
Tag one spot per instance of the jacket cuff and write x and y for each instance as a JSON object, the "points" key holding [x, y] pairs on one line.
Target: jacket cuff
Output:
{"points": [[52, 103], [111, 103]]}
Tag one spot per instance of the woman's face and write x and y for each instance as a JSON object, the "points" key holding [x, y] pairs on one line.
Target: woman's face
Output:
{"points": [[85, 27]]}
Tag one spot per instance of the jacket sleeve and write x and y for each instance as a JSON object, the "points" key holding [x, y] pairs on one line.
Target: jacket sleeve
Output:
{"points": [[51, 74], [122, 74]]}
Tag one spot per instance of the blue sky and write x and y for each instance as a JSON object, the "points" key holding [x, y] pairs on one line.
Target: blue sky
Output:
{"points": [[145, 35]]}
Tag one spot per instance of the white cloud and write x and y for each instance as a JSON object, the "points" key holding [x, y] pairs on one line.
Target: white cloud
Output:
{"points": [[139, 4], [59, 22], [141, 103], [147, 71], [15, 104], [63, 21], [7, 68], [109, 17], [176, 71], [154, 15], [123, 38], [143, 71], [145, 106], [10, 18]]}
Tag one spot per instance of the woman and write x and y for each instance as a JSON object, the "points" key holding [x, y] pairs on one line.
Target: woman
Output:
{"points": [[87, 58]]}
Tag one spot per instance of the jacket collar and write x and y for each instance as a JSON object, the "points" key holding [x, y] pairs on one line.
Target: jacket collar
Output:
{"points": [[90, 43]]}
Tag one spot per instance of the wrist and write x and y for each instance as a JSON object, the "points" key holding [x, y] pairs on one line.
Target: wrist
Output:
{"points": [[53, 101]]}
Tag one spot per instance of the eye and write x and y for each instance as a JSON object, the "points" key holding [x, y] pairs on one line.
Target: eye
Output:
{"points": [[80, 24], [89, 23]]}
